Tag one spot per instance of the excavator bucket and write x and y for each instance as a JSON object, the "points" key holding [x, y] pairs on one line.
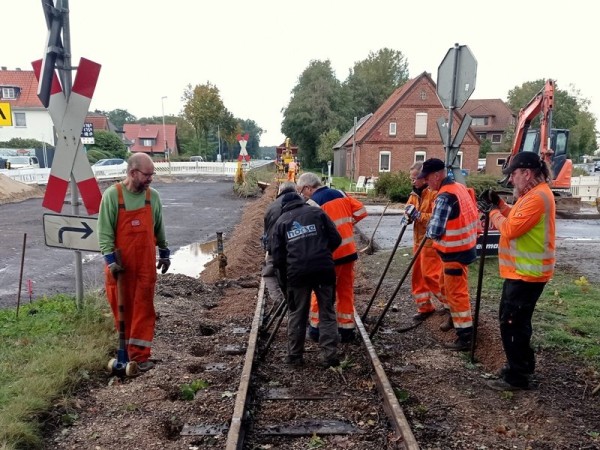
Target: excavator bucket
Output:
{"points": [[567, 205]]}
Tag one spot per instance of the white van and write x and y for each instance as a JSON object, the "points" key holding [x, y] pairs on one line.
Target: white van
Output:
{"points": [[23, 162]]}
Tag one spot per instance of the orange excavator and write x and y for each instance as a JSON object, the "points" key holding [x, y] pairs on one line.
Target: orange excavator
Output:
{"points": [[550, 143]]}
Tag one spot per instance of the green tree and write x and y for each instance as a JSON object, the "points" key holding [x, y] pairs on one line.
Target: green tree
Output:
{"points": [[326, 142], [485, 147], [203, 109], [23, 143], [313, 109], [119, 117], [106, 145], [372, 80]]}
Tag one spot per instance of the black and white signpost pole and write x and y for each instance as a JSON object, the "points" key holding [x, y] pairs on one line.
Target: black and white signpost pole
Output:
{"points": [[455, 84]]}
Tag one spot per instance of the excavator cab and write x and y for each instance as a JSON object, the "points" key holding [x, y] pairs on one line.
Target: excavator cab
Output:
{"points": [[559, 139]]}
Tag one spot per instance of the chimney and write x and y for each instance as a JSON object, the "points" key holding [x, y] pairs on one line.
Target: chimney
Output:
{"points": [[3, 67], [18, 68]]}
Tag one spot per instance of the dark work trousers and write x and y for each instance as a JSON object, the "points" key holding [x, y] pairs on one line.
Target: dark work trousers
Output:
{"points": [[298, 299], [516, 309]]}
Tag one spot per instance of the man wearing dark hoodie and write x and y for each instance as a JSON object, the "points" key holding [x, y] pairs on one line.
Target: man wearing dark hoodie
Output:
{"points": [[302, 243]]}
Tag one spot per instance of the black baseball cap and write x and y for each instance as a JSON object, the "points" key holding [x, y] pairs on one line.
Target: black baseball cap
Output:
{"points": [[522, 160], [430, 166]]}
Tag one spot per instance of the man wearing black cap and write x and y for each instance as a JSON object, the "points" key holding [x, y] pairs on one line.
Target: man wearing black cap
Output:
{"points": [[453, 229], [526, 256]]}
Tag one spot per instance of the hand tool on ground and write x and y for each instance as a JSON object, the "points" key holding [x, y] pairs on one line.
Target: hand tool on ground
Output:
{"points": [[121, 366], [279, 311], [265, 350], [486, 227], [387, 266], [369, 248], [389, 303]]}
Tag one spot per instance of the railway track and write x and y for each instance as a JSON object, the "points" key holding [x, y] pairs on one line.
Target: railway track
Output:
{"points": [[279, 406]]}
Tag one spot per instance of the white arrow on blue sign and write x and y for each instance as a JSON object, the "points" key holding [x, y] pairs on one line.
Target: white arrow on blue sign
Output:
{"points": [[71, 232]]}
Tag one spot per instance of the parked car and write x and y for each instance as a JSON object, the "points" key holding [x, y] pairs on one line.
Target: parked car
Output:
{"points": [[109, 162], [196, 158], [22, 162]]}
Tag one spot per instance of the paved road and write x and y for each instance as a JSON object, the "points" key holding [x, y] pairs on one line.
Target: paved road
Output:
{"points": [[194, 212]]}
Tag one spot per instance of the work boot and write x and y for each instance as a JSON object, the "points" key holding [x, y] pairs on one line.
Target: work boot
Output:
{"points": [[330, 362], [421, 316], [447, 324], [145, 366], [459, 345], [295, 361], [502, 385]]}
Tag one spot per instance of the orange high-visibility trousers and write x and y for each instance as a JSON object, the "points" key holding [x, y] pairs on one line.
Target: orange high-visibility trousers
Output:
{"points": [[344, 299], [426, 274], [134, 237], [455, 287]]}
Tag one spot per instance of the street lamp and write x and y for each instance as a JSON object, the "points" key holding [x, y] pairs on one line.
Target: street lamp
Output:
{"points": [[164, 128]]}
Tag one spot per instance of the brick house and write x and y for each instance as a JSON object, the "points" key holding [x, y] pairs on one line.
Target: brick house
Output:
{"points": [[149, 138], [491, 119], [402, 131], [30, 120]]}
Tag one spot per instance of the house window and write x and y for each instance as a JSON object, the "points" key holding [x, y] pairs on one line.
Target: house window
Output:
{"points": [[482, 136], [423, 95], [392, 128], [420, 156], [500, 162], [459, 159], [9, 92], [20, 120], [148, 142], [479, 121], [496, 138], [421, 124], [384, 161]]}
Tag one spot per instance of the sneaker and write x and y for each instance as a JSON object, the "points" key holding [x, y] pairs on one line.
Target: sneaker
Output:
{"points": [[330, 362], [145, 366], [295, 361], [421, 316], [447, 324], [502, 385], [459, 345]]}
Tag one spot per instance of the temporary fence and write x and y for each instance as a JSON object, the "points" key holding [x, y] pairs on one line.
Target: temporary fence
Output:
{"points": [[226, 169], [586, 187]]}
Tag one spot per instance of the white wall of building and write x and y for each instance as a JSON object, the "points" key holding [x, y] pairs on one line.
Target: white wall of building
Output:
{"points": [[38, 126]]}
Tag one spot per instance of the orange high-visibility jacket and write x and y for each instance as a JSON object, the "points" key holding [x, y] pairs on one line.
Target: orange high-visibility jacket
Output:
{"points": [[461, 231], [344, 211], [424, 205], [527, 236]]}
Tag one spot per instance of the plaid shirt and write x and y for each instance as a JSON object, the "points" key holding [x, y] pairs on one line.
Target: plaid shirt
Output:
{"points": [[439, 217]]}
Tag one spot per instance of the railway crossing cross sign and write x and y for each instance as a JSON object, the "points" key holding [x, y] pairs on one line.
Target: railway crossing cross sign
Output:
{"points": [[70, 159]]}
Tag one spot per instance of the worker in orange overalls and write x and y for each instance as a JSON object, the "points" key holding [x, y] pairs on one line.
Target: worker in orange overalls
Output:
{"points": [[427, 268], [130, 220], [291, 175], [344, 211], [453, 229]]}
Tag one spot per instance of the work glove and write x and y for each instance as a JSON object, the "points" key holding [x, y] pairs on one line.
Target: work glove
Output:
{"points": [[484, 206], [164, 261], [114, 267], [412, 213], [490, 196]]}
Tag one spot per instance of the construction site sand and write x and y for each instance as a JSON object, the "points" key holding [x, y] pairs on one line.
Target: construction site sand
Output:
{"points": [[15, 191]]}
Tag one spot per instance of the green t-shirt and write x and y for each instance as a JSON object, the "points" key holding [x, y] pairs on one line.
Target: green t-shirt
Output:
{"points": [[107, 217]]}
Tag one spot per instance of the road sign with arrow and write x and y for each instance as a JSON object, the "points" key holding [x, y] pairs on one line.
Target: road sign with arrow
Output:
{"points": [[71, 232]]}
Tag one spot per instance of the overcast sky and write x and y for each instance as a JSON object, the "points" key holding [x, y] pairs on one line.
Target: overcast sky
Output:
{"points": [[254, 51]]}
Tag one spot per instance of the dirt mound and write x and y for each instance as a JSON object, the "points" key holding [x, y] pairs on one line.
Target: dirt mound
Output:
{"points": [[14, 191]]}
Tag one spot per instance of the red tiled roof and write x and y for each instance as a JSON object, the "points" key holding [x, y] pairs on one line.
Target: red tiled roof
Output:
{"points": [[135, 132], [99, 121], [26, 81], [497, 110]]}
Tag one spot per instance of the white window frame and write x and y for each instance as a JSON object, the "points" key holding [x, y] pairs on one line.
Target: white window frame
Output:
{"points": [[392, 129], [420, 156], [20, 119], [147, 142], [421, 124], [389, 156], [496, 138], [500, 162], [9, 93]]}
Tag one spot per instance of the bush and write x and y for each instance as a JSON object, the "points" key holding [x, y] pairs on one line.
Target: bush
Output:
{"points": [[480, 182], [394, 186]]}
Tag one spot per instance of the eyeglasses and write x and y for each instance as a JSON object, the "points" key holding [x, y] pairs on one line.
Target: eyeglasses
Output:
{"points": [[147, 175]]}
